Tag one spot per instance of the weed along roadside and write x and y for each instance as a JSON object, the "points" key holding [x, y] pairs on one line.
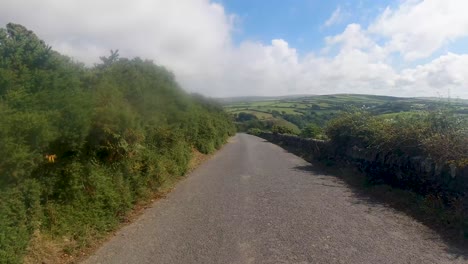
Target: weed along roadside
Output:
{"points": [[45, 249], [138, 209], [419, 186]]}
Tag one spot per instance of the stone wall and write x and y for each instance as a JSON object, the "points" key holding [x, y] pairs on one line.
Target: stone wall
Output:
{"points": [[316, 148], [419, 174]]}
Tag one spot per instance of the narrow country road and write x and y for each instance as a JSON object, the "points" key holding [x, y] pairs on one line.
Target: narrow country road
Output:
{"points": [[253, 202]]}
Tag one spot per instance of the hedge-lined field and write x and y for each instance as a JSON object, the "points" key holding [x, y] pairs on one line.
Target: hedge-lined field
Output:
{"points": [[301, 111], [80, 146]]}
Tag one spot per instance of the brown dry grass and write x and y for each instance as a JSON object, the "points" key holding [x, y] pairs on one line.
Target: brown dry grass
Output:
{"points": [[47, 250]]}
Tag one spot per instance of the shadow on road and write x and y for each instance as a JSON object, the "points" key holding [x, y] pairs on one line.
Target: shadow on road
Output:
{"points": [[383, 195]]}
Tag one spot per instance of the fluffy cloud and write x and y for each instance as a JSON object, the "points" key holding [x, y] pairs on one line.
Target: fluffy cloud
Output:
{"points": [[445, 75], [417, 29], [193, 38], [184, 34]]}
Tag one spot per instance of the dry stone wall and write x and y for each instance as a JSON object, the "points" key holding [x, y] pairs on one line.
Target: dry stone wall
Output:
{"points": [[419, 174]]}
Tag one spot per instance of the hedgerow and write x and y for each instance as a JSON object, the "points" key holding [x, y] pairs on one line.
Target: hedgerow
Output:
{"points": [[440, 134], [425, 152], [80, 146]]}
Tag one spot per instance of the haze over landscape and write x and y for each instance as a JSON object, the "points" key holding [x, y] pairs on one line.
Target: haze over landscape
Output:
{"points": [[243, 48]]}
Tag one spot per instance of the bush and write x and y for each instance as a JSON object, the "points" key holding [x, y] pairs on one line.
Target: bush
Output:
{"points": [[112, 134], [254, 131], [447, 139], [311, 131], [282, 130], [350, 128], [439, 135], [387, 147]]}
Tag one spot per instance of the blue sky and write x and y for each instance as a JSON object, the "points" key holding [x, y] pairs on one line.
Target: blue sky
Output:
{"points": [[226, 48], [300, 22]]}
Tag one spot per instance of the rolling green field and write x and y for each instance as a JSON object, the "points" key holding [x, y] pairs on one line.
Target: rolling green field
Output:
{"points": [[297, 112], [327, 103]]}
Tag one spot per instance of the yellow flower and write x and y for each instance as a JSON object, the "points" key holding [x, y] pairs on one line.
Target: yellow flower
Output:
{"points": [[51, 158]]}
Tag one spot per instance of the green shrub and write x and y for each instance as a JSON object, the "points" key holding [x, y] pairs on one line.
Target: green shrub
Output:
{"points": [[282, 130], [117, 133], [351, 128], [439, 138], [311, 131], [254, 131], [440, 135]]}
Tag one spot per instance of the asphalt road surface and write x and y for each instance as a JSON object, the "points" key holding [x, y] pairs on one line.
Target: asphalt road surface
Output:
{"points": [[253, 202]]}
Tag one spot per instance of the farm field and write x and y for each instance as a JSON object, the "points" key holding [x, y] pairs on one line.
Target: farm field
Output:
{"points": [[300, 111], [333, 103]]}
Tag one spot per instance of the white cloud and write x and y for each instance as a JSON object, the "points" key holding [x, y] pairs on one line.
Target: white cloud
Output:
{"points": [[335, 18], [181, 33], [417, 29], [193, 38], [444, 76], [354, 37]]}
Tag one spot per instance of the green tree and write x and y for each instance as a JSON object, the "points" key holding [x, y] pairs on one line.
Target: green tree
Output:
{"points": [[311, 131]]}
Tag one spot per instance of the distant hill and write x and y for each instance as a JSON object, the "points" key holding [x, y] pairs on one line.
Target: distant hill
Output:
{"points": [[301, 110], [228, 100]]}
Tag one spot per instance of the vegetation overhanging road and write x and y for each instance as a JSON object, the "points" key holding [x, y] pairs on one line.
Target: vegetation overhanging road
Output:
{"points": [[253, 202]]}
